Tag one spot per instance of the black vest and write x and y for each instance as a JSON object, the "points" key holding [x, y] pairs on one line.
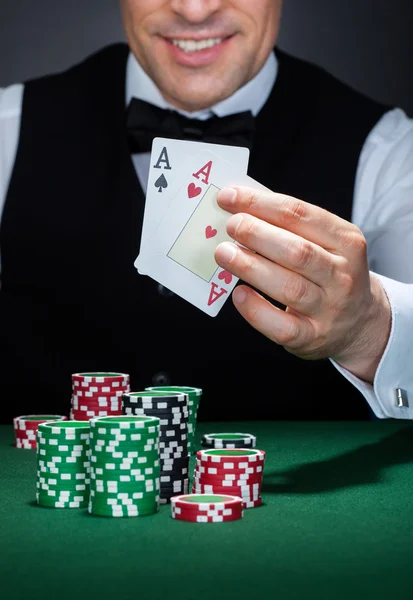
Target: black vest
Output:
{"points": [[71, 299]]}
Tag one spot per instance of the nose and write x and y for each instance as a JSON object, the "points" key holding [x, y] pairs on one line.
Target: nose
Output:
{"points": [[196, 11]]}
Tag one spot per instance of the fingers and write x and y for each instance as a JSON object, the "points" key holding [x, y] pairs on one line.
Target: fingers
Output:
{"points": [[291, 289], [283, 248], [306, 220], [283, 328]]}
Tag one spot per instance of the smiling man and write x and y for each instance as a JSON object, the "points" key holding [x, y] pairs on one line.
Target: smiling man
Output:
{"points": [[73, 173], [200, 53]]}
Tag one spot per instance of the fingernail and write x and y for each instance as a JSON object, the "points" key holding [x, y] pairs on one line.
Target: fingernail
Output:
{"points": [[226, 252], [239, 295], [227, 197]]}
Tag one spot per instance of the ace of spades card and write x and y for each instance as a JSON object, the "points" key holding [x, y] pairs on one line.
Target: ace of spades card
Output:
{"points": [[169, 162], [180, 254]]}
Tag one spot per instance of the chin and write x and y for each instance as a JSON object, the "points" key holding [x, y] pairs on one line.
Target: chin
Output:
{"points": [[199, 98], [196, 103]]}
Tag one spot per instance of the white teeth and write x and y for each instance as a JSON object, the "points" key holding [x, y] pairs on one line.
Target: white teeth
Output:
{"points": [[196, 46]]}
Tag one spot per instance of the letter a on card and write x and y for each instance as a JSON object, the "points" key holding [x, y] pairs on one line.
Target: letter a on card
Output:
{"points": [[215, 294], [163, 160], [205, 171]]}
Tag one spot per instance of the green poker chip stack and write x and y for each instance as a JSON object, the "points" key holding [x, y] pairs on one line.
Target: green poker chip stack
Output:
{"points": [[194, 398], [63, 464], [125, 466]]}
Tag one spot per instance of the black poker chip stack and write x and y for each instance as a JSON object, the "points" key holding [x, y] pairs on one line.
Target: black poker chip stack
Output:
{"points": [[172, 410]]}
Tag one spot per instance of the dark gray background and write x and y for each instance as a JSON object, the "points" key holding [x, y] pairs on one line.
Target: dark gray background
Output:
{"points": [[367, 43]]}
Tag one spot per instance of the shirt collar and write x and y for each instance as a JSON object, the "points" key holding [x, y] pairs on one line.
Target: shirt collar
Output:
{"points": [[252, 96]]}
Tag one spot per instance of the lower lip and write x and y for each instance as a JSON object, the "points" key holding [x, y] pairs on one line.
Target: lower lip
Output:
{"points": [[199, 58]]}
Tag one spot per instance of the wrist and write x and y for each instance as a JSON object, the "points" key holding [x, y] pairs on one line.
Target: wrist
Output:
{"points": [[365, 354]]}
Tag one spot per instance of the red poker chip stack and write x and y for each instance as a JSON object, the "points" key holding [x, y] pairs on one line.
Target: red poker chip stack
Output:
{"points": [[97, 395], [25, 429], [207, 508], [237, 472]]}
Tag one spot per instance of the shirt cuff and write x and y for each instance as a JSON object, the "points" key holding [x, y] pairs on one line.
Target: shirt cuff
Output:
{"points": [[395, 370]]}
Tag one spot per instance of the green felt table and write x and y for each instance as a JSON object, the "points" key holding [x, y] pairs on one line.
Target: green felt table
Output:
{"points": [[337, 524]]}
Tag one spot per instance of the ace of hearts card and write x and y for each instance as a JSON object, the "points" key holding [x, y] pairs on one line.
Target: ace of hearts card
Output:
{"points": [[180, 253]]}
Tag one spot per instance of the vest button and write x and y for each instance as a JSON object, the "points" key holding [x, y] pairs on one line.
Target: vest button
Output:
{"points": [[164, 292], [161, 378]]}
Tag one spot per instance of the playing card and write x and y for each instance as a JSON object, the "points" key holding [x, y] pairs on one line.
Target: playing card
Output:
{"points": [[180, 254], [169, 163]]}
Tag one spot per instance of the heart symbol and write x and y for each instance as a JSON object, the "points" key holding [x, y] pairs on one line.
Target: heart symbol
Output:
{"points": [[226, 276], [210, 233], [193, 191]]}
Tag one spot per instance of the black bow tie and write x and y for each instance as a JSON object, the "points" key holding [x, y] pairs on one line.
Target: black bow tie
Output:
{"points": [[145, 122]]}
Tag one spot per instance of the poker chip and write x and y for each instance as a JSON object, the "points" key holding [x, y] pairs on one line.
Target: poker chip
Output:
{"points": [[25, 429], [207, 508], [235, 471], [111, 380], [63, 464], [125, 466], [229, 468], [171, 408], [234, 456], [194, 397], [169, 491], [97, 395], [250, 492], [176, 466], [228, 440], [239, 479]]}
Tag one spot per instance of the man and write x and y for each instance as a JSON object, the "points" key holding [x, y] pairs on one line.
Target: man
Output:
{"points": [[71, 299]]}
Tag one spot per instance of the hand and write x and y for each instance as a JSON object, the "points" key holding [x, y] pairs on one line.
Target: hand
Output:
{"points": [[313, 262]]}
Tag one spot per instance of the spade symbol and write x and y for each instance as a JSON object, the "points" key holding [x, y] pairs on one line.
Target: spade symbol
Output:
{"points": [[161, 183]]}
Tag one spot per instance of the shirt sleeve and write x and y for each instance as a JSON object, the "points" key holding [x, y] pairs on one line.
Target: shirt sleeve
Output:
{"points": [[383, 209], [395, 372], [11, 99]]}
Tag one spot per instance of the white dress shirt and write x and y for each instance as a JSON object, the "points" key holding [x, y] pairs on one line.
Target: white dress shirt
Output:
{"points": [[382, 209]]}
